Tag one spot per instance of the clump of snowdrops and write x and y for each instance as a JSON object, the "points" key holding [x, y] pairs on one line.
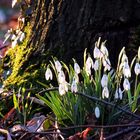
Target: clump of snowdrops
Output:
{"points": [[96, 79]]}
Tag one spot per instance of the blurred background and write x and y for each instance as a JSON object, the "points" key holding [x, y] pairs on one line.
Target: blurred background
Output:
{"points": [[8, 18]]}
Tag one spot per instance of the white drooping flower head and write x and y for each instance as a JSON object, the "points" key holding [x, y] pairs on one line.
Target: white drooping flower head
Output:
{"points": [[89, 62], [89, 65], [58, 66], [96, 65], [104, 80], [76, 78], [14, 43], [104, 50], [137, 68], [13, 37], [124, 58], [22, 37], [74, 86], [76, 68], [88, 71], [105, 92], [126, 70], [96, 52], [106, 64], [61, 77], [48, 74], [97, 112], [14, 2], [126, 84], [62, 89], [8, 35], [118, 93]]}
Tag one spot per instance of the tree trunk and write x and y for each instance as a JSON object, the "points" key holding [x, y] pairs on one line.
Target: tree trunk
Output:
{"points": [[64, 28]]}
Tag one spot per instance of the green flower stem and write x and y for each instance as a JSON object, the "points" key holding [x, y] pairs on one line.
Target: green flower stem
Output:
{"points": [[136, 94], [129, 97]]}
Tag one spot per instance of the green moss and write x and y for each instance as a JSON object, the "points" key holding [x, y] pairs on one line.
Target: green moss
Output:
{"points": [[18, 56]]}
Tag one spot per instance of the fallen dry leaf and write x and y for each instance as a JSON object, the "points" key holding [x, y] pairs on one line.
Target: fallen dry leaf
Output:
{"points": [[80, 136]]}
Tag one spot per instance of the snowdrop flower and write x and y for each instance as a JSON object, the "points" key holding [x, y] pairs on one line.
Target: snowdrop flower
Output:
{"points": [[126, 84], [76, 78], [96, 52], [120, 93], [97, 112], [19, 32], [14, 43], [74, 86], [124, 58], [22, 36], [13, 37], [116, 94], [137, 69], [58, 66], [104, 51], [105, 92], [14, 2], [61, 89], [89, 65], [66, 86], [48, 74], [126, 70], [96, 65], [106, 64], [88, 71], [89, 62], [76, 68], [139, 53], [61, 77], [7, 35], [23, 20], [104, 80]]}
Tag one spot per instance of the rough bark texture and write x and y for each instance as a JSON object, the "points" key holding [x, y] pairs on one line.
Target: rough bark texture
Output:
{"points": [[65, 28]]}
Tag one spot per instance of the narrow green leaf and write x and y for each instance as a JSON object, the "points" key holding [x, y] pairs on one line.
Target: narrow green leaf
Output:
{"points": [[136, 95], [16, 103]]}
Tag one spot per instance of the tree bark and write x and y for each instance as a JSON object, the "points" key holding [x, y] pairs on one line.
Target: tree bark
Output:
{"points": [[67, 27], [64, 28]]}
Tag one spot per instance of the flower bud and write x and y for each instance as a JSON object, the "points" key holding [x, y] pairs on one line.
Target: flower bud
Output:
{"points": [[97, 112], [126, 84]]}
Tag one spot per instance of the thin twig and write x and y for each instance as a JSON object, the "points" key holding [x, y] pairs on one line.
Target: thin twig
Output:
{"points": [[100, 126], [131, 127], [96, 99], [117, 134], [11, 93], [107, 103], [37, 101], [48, 89]]}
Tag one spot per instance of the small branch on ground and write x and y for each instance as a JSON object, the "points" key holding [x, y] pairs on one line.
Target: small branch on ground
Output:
{"points": [[96, 99]]}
